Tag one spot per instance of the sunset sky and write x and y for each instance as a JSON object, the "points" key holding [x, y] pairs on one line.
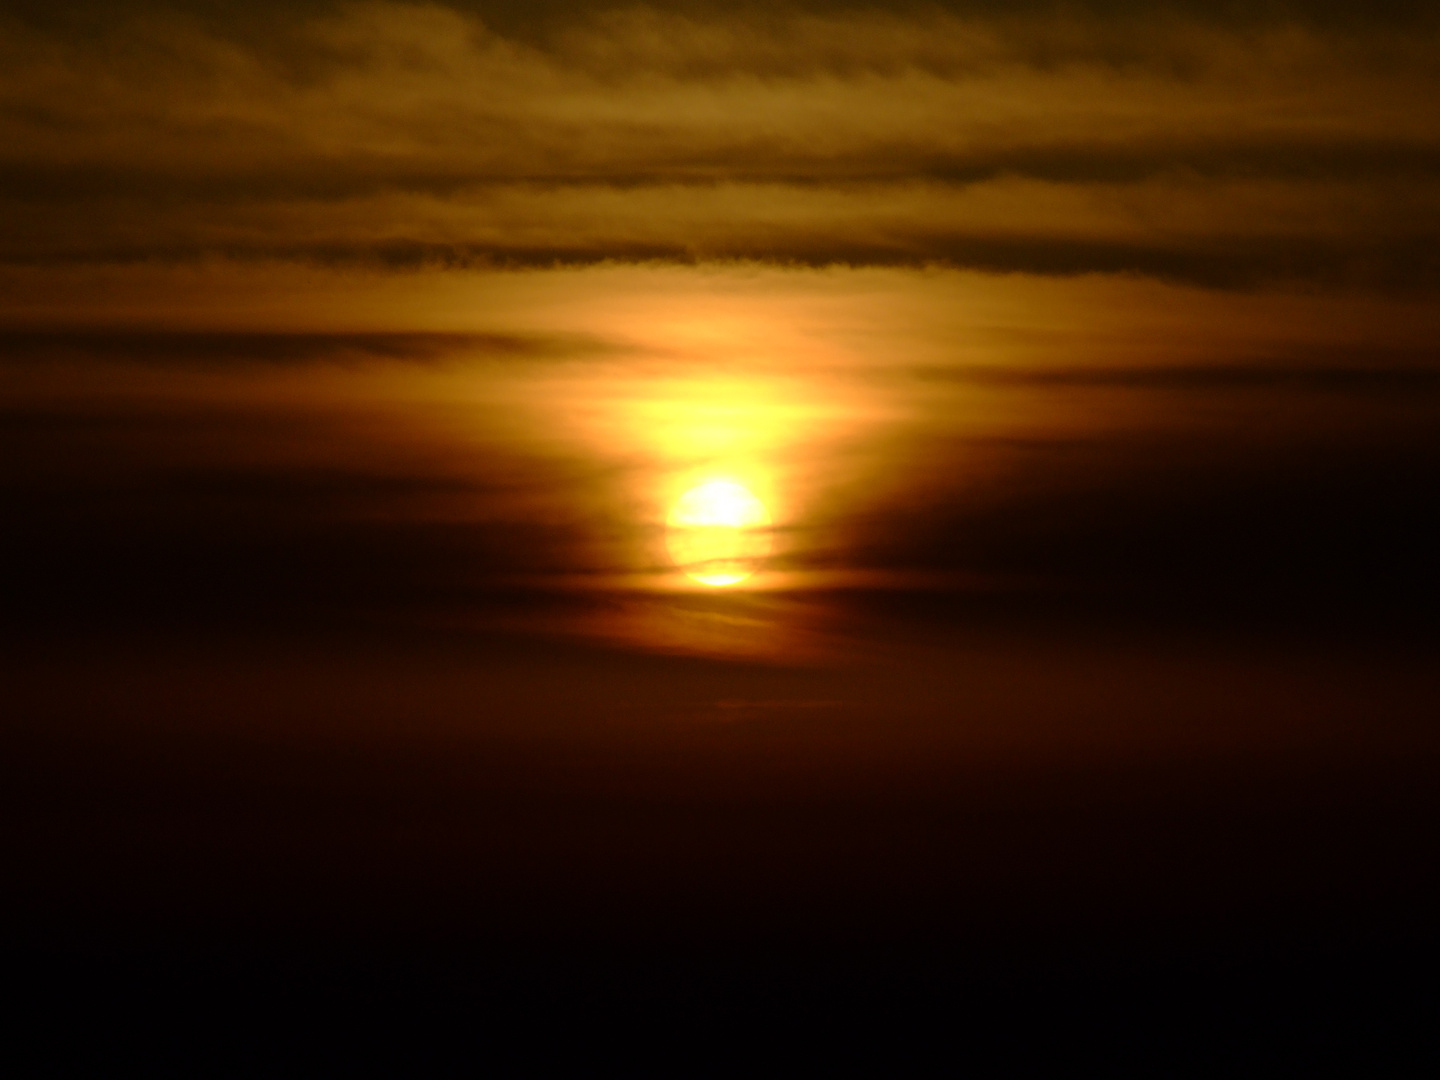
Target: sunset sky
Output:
{"points": [[1061, 388]]}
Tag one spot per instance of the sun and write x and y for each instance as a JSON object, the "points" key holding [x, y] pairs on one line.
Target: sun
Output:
{"points": [[718, 532]]}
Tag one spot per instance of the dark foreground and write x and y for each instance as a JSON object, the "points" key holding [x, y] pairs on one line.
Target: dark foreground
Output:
{"points": [[313, 849]]}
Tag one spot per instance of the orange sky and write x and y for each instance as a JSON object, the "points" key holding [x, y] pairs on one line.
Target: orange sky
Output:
{"points": [[1082, 361]]}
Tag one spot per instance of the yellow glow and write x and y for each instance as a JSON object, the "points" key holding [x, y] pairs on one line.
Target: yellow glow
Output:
{"points": [[718, 532]]}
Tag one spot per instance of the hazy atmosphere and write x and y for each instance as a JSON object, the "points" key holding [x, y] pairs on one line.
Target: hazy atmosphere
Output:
{"points": [[943, 492]]}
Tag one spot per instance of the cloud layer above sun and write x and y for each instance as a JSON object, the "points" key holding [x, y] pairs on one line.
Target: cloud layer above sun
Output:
{"points": [[1288, 147]]}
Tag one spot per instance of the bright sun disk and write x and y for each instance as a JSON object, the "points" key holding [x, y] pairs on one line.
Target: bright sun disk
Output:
{"points": [[718, 532]]}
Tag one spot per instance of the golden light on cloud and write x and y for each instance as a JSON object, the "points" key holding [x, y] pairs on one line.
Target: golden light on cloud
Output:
{"points": [[718, 532], [823, 475]]}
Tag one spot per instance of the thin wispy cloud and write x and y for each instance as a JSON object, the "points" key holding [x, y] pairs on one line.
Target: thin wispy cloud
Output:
{"points": [[1234, 152]]}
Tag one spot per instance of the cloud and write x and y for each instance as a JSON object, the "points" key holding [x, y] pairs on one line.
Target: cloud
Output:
{"points": [[223, 476], [232, 350], [1233, 152]]}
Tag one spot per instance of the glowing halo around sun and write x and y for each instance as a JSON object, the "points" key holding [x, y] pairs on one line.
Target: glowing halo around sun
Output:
{"points": [[718, 532]]}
